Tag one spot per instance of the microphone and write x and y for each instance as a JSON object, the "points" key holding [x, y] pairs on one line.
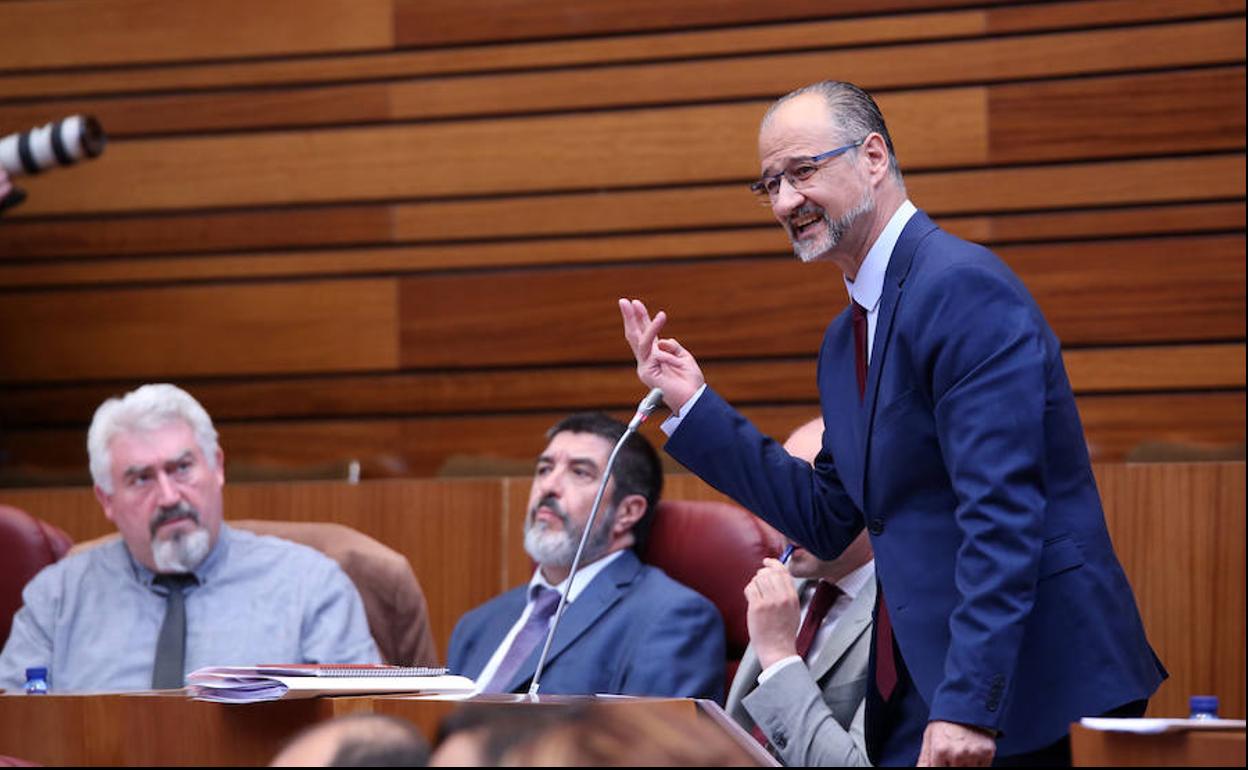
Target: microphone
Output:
{"points": [[647, 405]]}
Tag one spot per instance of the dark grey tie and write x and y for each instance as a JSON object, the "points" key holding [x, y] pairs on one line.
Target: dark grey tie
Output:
{"points": [[170, 664]]}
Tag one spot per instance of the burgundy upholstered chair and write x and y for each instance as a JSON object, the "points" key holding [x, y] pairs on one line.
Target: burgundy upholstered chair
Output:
{"points": [[714, 548], [27, 545]]}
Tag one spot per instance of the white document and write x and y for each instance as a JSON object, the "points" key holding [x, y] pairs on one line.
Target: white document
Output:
{"points": [[1153, 726], [252, 684]]}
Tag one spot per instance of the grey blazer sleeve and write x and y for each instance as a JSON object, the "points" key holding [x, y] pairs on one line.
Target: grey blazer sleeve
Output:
{"points": [[792, 712]]}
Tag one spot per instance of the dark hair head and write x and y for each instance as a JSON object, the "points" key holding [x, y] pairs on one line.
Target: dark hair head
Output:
{"points": [[358, 740], [854, 112], [601, 735], [496, 729], [637, 467]]}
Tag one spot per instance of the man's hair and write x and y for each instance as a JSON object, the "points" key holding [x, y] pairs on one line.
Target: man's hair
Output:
{"points": [[637, 468], [379, 740], [496, 731], [600, 735], [145, 409], [853, 111]]}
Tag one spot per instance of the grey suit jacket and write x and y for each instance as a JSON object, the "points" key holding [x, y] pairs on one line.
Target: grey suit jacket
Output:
{"points": [[813, 716]]}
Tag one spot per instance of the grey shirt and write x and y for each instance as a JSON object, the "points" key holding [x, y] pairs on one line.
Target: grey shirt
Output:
{"points": [[92, 619]]}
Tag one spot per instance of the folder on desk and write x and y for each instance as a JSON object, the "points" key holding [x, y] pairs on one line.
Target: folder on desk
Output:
{"points": [[252, 684]]}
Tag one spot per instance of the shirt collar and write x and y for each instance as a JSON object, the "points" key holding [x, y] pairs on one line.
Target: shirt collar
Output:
{"points": [[584, 575], [853, 583], [867, 287]]}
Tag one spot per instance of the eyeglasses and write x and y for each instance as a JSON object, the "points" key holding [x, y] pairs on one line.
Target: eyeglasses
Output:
{"points": [[799, 172]]}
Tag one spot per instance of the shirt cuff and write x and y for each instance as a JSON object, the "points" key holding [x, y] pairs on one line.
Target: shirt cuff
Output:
{"points": [[670, 425], [774, 668]]}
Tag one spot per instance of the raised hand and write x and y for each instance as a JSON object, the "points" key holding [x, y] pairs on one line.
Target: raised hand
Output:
{"points": [[772, 613], [661, 363]]}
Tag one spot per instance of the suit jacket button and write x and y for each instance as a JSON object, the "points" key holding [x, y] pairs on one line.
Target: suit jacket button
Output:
{"points": [[779, 740], [875, 526]]}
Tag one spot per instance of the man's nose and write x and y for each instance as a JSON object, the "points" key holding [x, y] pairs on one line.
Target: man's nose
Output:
{"points": [[166, 490], [787, 200], [551, 484]]}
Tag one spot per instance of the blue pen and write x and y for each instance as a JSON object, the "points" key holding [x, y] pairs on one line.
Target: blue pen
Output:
{"points": [[788, 551]]}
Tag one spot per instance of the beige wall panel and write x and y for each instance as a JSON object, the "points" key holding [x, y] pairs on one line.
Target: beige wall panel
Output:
{"points": [[778, 307], [1118, 427], [1074, 186], [198, 330], [426, 22], [877, 68], [1179, 533], [1176, 112], [89, 32], [1092, 370], [503, 57], [691, 43], [678, 145], [691, 211]]}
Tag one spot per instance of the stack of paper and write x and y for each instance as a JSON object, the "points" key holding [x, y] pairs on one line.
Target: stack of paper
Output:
{"points": [[250, 684]]}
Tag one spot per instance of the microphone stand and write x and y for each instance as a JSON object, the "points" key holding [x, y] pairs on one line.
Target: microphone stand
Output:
{"points": [[644, 409]]}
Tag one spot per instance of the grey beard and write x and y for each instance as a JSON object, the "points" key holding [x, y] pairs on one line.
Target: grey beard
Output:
{"points": [[834, 231], [181, 552], [558, 549]]}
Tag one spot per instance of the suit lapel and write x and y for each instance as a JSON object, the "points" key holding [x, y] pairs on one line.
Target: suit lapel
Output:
{"points": [[849, 627], [743, 683], [581, 615], [842, 385], [493, 633], [899, 264]]}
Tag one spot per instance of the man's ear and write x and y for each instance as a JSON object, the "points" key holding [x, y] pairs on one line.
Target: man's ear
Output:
{"points": [[628, 513], [876, 151], [106, 502]]}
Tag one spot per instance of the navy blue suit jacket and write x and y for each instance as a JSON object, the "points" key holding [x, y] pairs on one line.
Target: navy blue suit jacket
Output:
{"points": [[632, 631], [967, 463]]}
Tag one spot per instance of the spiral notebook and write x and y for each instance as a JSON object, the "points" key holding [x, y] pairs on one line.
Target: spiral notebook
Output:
{"points": [[252, 684]]}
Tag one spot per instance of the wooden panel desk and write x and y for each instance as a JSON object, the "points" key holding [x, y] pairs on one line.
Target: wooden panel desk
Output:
{"points": [[155, 729], [1194, 748]]}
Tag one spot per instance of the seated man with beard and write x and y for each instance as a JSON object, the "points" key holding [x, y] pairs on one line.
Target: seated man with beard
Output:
{"points": [[627, 628], [180, 590]]}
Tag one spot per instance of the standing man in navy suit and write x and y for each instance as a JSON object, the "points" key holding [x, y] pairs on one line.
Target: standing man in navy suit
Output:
{"points": [[628, 628], [951, 435]]}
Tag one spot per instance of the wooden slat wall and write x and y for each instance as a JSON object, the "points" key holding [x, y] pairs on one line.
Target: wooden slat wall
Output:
{"points": [[1178, 530], [393, 231]]}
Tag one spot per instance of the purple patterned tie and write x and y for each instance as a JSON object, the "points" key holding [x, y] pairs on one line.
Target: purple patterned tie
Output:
{"points": [[545, 601]]}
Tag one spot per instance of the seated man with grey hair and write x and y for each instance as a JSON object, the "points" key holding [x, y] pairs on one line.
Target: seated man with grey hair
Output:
{"points": [[180, 589]]}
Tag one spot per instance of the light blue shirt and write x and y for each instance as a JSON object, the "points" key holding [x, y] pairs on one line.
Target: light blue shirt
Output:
{"points": [[92, 619]]}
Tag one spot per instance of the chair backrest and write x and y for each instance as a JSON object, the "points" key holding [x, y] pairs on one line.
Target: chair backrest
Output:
{"points": [[27, 545], [398, 615], [714, 548]]}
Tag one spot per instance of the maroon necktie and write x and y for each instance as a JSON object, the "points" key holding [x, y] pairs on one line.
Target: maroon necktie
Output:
{"points": [[860, 348], [885, 665], [820, 602]]}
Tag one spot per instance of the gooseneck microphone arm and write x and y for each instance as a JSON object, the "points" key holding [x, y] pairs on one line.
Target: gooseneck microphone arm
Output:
{"points": [[647, 405]]}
